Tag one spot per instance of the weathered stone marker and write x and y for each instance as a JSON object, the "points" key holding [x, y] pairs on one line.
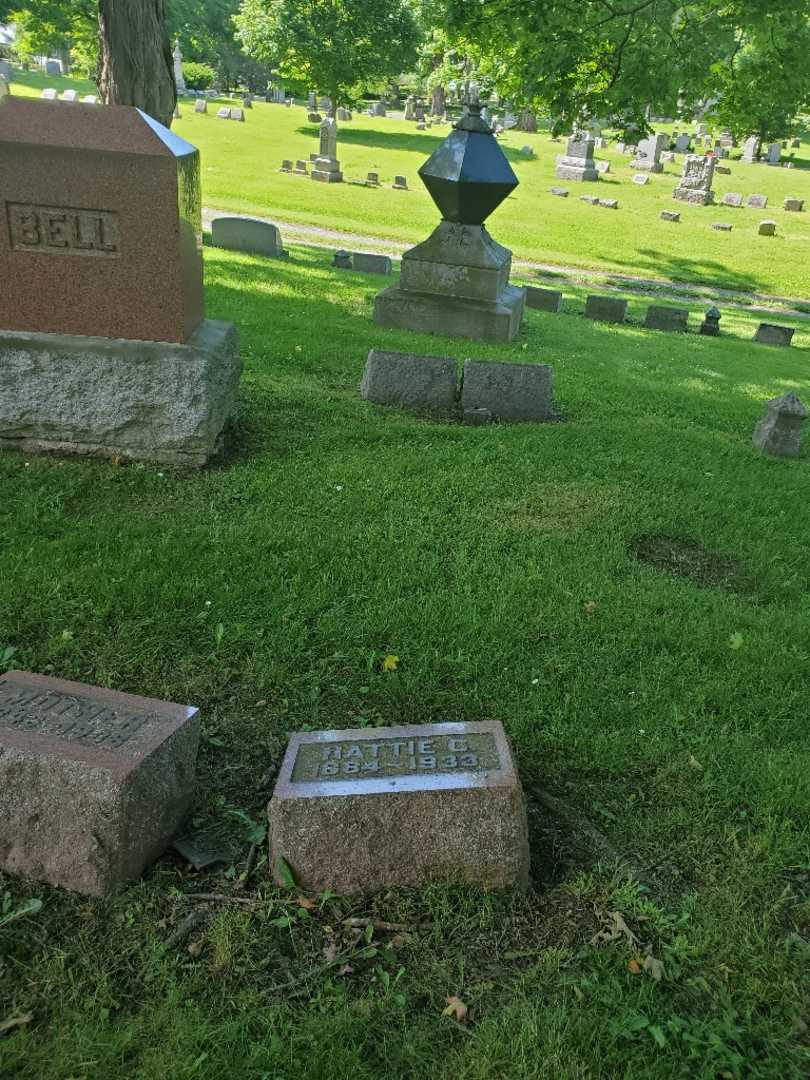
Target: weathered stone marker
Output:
{"points": [[606, 308], [666, 318], [369, 809], [774, 334], [93, 783], [780, 430], [104, 348], [248, 234], [410, 381], [543, 299], [696, 183]]}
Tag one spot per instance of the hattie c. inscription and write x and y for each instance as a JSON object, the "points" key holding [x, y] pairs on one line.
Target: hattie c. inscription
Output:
{"points": [[366, 758], [56, 230]]}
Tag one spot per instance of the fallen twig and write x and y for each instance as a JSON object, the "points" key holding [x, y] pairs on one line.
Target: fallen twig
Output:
{"points": [[219, 898], [192, 920], [378, 924]]}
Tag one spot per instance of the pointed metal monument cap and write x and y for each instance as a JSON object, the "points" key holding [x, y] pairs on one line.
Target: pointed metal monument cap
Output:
{"points": [[468, 175]]}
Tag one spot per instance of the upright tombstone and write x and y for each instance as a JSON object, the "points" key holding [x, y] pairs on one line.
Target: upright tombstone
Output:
{"points": [[201, 105], [774, 154], [780, 430], [70, 95], [354, 811], [751, 148], [327, 166], [410, 107], [4, 90], [249, 234], [179, 80], [53, 67], [577, 163], [696, 183], [5, 70], [683, 144], [93, 783], [104, 348], [49, 94], [648, 153], [457, 281]]}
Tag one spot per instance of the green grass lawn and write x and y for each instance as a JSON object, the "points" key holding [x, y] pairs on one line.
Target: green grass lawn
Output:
{"points": [[240, 173], [628, 592]]}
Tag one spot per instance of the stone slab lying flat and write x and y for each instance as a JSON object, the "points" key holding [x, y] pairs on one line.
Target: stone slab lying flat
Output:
{"points": [[247, 234], [93, 783], [360, 810], [145, 400], [410, 381], [509, 391]]}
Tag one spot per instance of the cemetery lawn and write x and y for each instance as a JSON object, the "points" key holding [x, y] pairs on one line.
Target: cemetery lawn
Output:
{"points": [[240, 165], [628, 592]]}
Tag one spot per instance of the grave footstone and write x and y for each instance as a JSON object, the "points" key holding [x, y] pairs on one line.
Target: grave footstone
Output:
{"points": [[301, 167], [561, 192], [371, 263], [69, 95], [666, 318], [732, 198], [794, 205], [609, 204], [696, 182], [780, 430], [577, 163], [49, 94], [757, 202], [641, 178], [667, 156], [286, 165], [104, 348], [373, 179], [410, 381], [543, 299], [767, 228], [722, 226], [710, 327], [94, 784], [238, 114], [670, 215], [509, 391], [224, 113], [606, 309], [247, 234], [773, 334], [400, 183], [355, 811]]}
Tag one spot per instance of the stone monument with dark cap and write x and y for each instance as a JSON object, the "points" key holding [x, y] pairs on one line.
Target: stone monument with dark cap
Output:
{"points": [[104, 344], [457, 281]]}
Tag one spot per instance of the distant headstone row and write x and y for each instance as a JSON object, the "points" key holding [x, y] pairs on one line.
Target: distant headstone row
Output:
{"points": [[49, 94]]}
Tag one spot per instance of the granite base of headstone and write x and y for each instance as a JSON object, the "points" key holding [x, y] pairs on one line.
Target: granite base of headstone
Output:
{"points": [[362, 810], [94, 784], [456, 283], [659, 317], [138, 400], [780, 430], [247, 234], [774, 334], [606, 309]]}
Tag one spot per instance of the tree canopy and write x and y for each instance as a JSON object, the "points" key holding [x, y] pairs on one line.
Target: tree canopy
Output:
{"points": [[333, 45]]}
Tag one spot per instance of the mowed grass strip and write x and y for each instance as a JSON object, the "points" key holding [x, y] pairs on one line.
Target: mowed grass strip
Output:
{"points": [[240, 164], [661, 698]]}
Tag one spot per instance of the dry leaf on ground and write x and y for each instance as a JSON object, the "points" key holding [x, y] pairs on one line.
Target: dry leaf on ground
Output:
{"points": [[456, 1010]]}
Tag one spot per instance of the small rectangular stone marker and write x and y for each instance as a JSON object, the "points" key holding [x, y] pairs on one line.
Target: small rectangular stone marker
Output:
{"points": [[238, 114], [376, 808], [93, 783], [732, 198], [666, 318], [247, 234], [641, 178], [722, 226], [370, 263], [201, 105], [757, 202], [670, 215], [224, 113], [796, 205], [517, 392], [410, 381], [606, 308], [767, 228], [301, 167], [400, 183], [543, 299], [560, 191], [773, 334]]}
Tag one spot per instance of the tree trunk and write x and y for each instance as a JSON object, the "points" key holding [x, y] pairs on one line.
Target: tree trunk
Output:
{"points": [[135, 58], [527, 121], [438, 104]]}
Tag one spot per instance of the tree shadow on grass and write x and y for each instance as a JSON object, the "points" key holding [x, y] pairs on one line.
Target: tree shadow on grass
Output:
{"points": [[689, 271]]}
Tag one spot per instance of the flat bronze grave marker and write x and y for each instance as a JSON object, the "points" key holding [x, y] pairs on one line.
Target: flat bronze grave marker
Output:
{"points": [[372, 808], [93, 783]]}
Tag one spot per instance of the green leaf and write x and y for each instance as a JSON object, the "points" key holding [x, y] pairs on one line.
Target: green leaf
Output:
{"points": [[285, 874], [657, 1034], [736, 641]]}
